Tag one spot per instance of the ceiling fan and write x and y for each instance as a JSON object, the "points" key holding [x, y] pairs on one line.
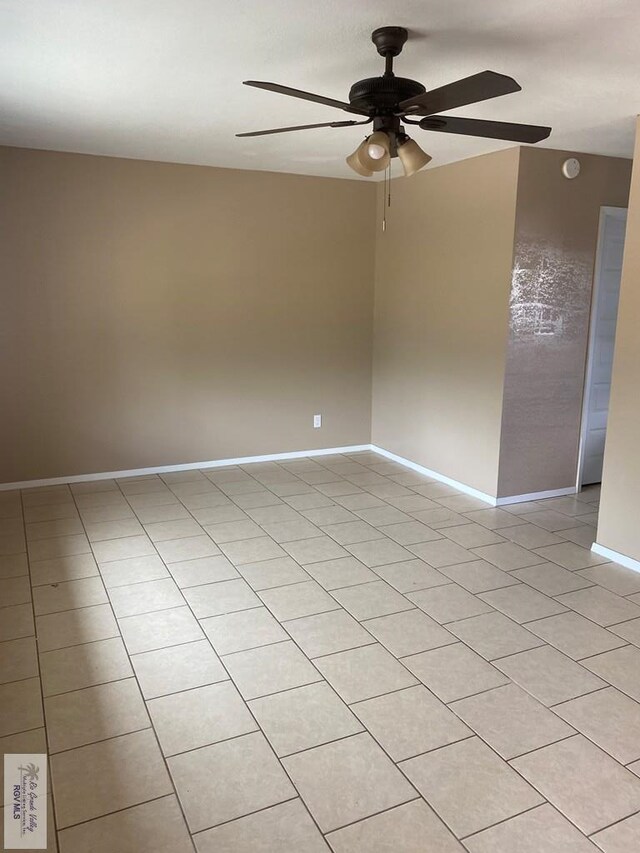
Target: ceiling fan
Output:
{"points": [[388, 101]]}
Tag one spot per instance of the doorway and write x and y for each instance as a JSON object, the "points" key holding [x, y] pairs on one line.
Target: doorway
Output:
{"points": [[602, 334]]}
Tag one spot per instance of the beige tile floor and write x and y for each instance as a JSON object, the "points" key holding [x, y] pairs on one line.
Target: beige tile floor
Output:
{"points": [[320, 654]]}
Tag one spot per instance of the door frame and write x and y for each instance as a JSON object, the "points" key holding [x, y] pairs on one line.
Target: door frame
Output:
{"points": [[605, 212]]}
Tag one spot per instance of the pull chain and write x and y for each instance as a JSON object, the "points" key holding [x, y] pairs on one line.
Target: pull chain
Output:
{"points": [[384, 202], [386, 195]]}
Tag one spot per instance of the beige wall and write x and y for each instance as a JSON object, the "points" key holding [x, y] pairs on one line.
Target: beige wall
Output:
{"points": [[156, 314], [159, 314], [554, 256], [443, 274], [618, 523]]}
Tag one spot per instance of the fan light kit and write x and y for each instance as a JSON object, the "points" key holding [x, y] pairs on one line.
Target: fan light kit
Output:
{"points": [[388, 101]]}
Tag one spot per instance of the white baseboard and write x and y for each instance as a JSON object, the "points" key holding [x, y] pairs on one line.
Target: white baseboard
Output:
{"points": [[278, 457], [536, 496], [456, 484], [189, 466], [244, 460], [616, 557]]}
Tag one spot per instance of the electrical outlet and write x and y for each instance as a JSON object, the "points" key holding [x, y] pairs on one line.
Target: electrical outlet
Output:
{"points": [[317, 421]]}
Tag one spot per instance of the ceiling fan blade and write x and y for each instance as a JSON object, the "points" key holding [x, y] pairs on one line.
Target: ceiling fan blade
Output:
{"points": [[305, 96], [470, 90], [489, 129], [302, 127]]}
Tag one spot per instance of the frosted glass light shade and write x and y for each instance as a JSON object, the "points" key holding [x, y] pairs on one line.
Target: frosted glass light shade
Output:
{"points": [[374, 154], [353, 160], [412, 157]]}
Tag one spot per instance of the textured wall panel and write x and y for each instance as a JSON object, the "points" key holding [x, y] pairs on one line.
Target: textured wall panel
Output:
{"points": [[554, 254]]}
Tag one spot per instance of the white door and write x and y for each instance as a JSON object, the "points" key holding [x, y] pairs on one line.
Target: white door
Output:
{"points": [[604, 313]]}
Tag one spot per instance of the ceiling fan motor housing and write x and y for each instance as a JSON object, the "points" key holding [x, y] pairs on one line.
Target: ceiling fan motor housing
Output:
{"points": [[383, 94]]}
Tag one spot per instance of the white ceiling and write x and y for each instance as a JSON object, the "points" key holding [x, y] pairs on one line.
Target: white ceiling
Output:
{"points": [[162, 79]]}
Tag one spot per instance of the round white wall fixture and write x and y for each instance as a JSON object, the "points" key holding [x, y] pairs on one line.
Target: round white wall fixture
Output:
{"points": [[571, 168]]}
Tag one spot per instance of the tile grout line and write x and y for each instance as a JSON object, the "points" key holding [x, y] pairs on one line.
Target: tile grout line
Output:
{"points": [[373, 569], [508, 763], [40, 682], [415, 799], [155, 735], [614, 823], [475, 734], [605, 686], [375, 640], [249, 814], [396, 763], [266, 739], [465, 838], [576, 733], [623, 645], [259, 728], [341, 699], [102, 739], [117, 811]]}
